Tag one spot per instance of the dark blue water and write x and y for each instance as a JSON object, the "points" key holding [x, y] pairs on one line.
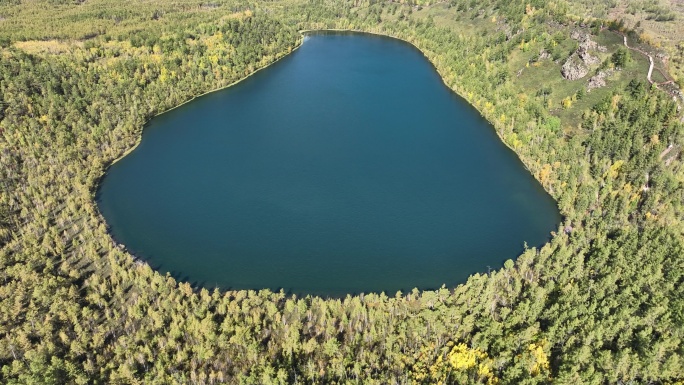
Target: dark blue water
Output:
{"points": [[346, 167]]}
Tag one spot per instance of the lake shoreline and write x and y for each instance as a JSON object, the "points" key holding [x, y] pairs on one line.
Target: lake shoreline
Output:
{"points": [[98, 181], [313, 31], [137, 142], [304, 33]]}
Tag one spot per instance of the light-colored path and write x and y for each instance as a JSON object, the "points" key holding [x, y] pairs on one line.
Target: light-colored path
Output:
{"points": [[650, 71], [650, 58]]}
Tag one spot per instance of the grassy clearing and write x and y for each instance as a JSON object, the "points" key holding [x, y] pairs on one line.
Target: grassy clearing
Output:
{"points": [[530, 76], [662, 34], [658, 77], [550, 72], [464, 23], [608, 38]]}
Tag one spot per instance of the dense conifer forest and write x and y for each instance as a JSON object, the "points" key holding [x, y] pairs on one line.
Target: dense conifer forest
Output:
{"points": [[602, 302]]}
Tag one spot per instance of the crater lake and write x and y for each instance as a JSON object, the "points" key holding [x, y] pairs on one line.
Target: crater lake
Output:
{"points": [[346, 167]]}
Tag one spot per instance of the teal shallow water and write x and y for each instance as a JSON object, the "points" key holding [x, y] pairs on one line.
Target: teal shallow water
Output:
{"points": [[346, 167]]}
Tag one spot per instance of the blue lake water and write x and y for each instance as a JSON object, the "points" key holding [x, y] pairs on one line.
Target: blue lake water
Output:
{"points": [[346, 167]]}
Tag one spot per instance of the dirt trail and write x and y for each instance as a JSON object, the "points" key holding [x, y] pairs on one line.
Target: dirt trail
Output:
{"points": [[650, 58], [650, 70]]}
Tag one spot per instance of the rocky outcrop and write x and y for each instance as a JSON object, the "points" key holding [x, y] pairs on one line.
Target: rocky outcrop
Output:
{"points": [[544, 54], [598, 80], [586, 57], [574, 68], [577, 65], [578, 35], [585, 42]]}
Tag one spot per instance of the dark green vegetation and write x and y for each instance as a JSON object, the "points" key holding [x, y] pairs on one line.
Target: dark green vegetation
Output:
{"points": [[346, 167], [603, 302]]}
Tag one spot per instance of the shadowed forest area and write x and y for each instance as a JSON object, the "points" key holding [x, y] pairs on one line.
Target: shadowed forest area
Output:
{"points": [[602, 302]]}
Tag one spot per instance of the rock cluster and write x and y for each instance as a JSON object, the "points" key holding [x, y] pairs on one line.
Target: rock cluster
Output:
{"points": [[585, 41], [586, 57], [544, 54], [577, 65], [574, 68], [578, 35], [598, 80]]}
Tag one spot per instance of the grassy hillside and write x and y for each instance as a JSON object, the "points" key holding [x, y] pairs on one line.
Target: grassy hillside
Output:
{"points": [[602, 302], [658, 23]]}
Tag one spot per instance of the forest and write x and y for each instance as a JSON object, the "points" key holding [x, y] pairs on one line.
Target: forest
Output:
{"points": [[602, 302]]}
